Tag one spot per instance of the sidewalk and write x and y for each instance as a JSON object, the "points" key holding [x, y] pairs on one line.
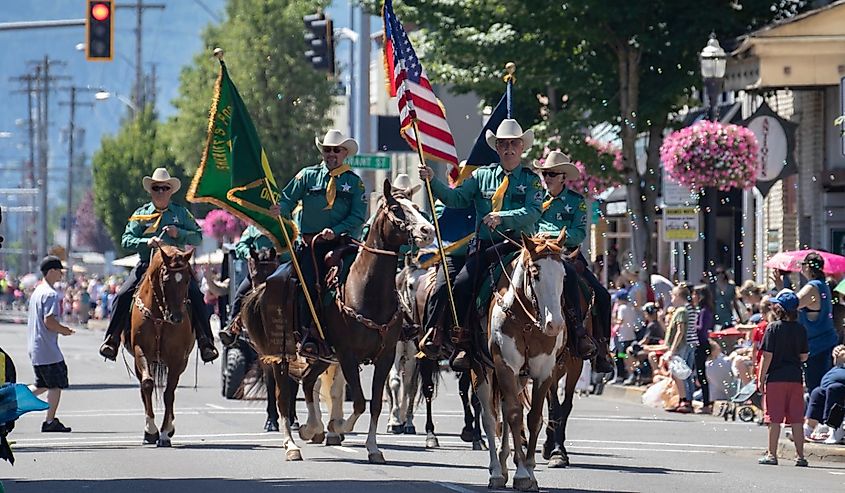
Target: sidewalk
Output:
{"points": [[812, 450]]}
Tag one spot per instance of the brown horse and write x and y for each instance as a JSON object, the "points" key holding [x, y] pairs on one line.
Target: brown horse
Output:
{"points": [[362, 324], [526, 331], [161, 338]]}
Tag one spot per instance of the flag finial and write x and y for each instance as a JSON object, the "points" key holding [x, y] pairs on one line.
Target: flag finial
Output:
{"points": [[218, 53], [510, 68]]}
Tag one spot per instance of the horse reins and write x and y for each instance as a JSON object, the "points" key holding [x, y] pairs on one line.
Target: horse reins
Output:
{"points": [[162, 307]]}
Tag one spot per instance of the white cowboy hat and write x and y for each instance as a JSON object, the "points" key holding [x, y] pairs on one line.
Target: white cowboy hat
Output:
{"points": [[510, 129], [160, 175], [558, 162], [335, 138], [402, 182]]}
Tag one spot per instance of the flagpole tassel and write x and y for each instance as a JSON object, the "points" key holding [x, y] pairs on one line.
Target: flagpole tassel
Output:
{"points": [[436, 228], [510, 79]]}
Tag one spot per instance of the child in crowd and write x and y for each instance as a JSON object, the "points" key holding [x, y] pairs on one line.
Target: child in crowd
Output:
{"points": [[823, 402], [682, 340], [780, 377]]}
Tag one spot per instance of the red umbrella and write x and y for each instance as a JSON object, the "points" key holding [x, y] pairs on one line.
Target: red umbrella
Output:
{"points": [[791, 261]]}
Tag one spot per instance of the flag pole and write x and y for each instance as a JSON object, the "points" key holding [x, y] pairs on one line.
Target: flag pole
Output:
{"points": [[440, 248], [218, 53]]}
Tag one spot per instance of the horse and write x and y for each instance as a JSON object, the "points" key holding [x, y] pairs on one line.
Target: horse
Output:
{"points": [[414, 286], [362, 323], [526, 332], [161, 338]]}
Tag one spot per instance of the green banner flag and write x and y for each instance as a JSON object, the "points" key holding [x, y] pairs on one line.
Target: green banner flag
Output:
{"points": [[234, 173]]}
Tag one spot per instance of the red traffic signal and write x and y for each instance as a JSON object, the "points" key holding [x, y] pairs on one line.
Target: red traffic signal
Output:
{"points": [[99, 30]]}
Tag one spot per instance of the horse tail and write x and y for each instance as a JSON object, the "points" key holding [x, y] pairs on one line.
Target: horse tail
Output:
{"points": [[252, 319], [158, 371]]}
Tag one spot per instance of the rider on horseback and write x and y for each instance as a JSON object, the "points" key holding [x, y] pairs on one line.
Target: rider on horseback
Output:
{"points": [[176, 226], [507, 198], [333, 204], [565, 208], [251, 239]]}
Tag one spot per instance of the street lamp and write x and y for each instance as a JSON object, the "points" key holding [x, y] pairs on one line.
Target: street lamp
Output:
{"points": [[713, 61], [105, 95]]}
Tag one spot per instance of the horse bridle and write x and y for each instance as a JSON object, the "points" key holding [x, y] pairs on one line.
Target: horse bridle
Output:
{"points": [[396, 222], [162, 307]]}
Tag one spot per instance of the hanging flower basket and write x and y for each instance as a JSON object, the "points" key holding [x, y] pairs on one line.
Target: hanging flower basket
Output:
{"points": [[221, 225], [711, 154]]}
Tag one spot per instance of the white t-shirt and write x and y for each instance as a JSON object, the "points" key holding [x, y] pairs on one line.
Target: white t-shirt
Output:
{"points": [[630, 319], [43, 343], [719, 377]]}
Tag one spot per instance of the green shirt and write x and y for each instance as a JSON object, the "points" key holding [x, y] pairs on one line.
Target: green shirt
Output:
{"points": [[254, 238], [348, 213], [521, 207], [568, 210], [136, 234]]}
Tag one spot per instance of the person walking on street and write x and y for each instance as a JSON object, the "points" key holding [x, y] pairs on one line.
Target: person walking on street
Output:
{"points": [[48, 362], [784, 351], [816, 315], [703, 301]]}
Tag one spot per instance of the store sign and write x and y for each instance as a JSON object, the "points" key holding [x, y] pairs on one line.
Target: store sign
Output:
{"points": [[680, 224], [776, 138], [676, 194]]}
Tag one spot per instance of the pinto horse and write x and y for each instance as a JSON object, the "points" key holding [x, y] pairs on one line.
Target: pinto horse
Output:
{"points": [[161, 339], [362, 324], [526, 332]]}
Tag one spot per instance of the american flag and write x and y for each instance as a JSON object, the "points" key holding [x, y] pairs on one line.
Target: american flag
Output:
{"points": [[406, 80]]}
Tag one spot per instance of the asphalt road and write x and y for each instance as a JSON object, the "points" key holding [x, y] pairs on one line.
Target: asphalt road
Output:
{"points": [[219, 445]]}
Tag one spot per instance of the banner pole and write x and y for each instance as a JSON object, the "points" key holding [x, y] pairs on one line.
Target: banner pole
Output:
{"points": [[295, 263]]}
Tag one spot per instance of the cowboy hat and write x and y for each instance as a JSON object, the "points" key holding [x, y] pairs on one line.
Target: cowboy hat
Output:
{"points": [[160, 175], [510, 129], [402, 182], [559, 162], [335, 138]]}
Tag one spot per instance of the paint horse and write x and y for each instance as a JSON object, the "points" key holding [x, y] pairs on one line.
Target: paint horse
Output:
{"points": [[526, 333]]}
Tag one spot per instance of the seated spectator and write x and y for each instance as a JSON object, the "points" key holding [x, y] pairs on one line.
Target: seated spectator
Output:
{"points": [[823, 398], [719, 375], [639, 351]]}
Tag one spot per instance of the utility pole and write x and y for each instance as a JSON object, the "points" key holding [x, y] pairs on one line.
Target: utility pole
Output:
{"points": [[138, 97], [29, 167], [73, 103]]}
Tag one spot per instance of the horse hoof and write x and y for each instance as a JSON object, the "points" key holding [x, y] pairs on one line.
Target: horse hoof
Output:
{"points": [[376, 458], [150, 438], [318, 438], [293, 455], [333, 440], [467, 434], [410, 430], [497, 483], [558, 461], [162, 442], [395, 429], [478, 445], [525, 484], [304, 433], [431, 441]]}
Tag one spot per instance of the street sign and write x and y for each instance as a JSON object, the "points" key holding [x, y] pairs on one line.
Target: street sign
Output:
{"points": [[676, 194], [369, 161], [680, 224]]}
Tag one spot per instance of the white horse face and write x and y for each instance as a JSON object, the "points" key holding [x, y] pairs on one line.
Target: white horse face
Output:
{"points": [[547, 288], [419, 227]]}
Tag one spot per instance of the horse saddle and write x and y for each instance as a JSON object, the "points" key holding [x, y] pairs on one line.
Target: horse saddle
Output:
{"points": [[281, 313]]}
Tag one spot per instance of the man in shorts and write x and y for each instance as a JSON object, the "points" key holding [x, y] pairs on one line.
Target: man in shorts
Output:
{"points": [[48, 363]]}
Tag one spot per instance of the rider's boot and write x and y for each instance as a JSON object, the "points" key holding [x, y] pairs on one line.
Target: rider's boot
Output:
{"points": [[460, 359], [109, 348], [208, 352], [431, 342], [313, 346], [583, 343], [602, 362], [229, 335]]}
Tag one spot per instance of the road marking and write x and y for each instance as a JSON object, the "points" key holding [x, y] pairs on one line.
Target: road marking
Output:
{"points": [[637, 449], [837, 473], [453, 487], [664, 444], [214, 406], [348, 450]]}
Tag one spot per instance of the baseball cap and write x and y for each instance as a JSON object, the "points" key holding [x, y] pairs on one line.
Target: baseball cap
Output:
{"points": [[787, 299], [622, 294], [51, 262], [650, 308]]}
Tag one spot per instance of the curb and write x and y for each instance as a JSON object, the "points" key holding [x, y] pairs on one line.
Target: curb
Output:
{"points": [[626, 393], [812, 450]]}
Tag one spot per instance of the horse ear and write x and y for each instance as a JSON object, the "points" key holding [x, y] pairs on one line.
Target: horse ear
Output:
{"points": [[164, 256], [190, 255], [253, 254], [561, 238], [526, 240], [388, 192], [273, 253]]}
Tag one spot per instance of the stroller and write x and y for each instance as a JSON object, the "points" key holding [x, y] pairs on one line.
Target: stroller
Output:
{"points": [[745, 404]]}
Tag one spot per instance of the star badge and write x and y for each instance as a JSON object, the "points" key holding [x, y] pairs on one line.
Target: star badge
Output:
{"points": [[345, 187], [559, 216], [520, 188], [568, 208]]}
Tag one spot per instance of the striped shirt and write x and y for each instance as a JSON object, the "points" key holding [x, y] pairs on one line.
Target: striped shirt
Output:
{"points": [[692, 324]]}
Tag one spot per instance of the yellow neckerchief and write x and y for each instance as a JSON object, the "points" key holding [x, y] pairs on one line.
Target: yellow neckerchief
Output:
{"points": [[499, 195], [331, 190], [548, 203], [156, 216]]}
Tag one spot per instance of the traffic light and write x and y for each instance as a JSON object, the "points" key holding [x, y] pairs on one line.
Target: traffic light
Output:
{"points": [[319, 37], [99, 30]]}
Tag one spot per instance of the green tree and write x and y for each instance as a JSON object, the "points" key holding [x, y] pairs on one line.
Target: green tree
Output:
{"points": [[583, 63], [120, 165], [287, 99]]}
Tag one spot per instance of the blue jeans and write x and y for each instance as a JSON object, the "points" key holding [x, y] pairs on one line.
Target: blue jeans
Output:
{"points": [[822, 401], [687, 353]]}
